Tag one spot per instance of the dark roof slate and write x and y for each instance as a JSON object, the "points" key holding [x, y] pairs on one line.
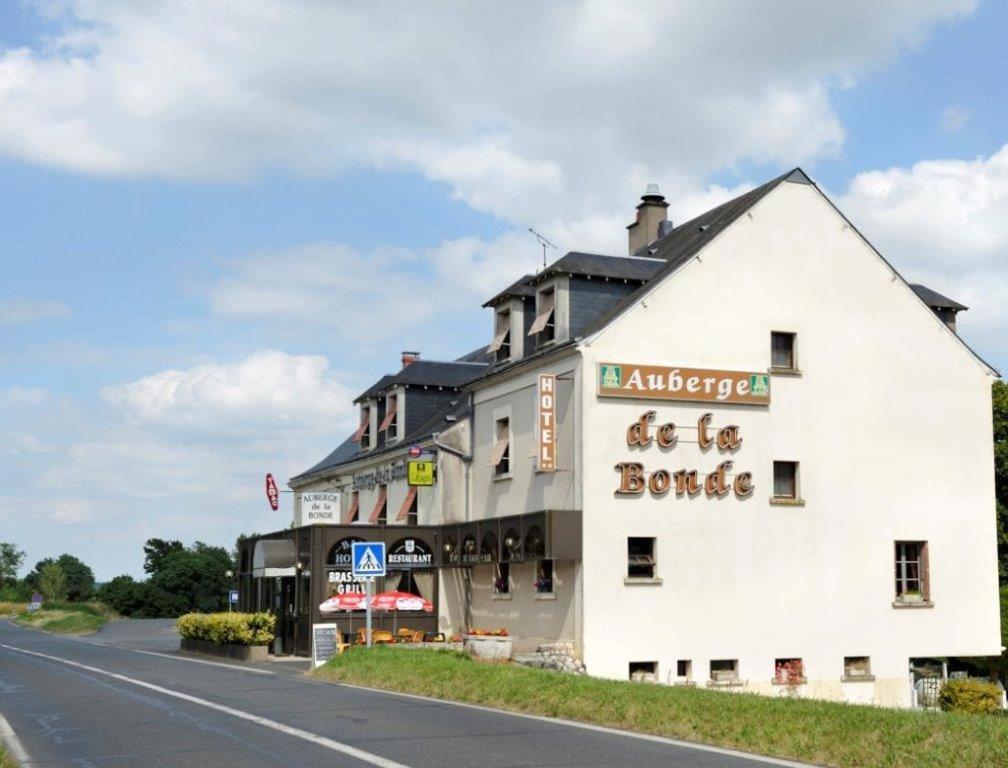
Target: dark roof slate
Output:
{"points": [[375, 389], [437, 373], [935, 300], [521, 287], [637, 268]]}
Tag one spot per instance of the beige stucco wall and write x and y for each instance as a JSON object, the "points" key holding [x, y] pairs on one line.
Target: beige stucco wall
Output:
{"points": [[890, 420]]}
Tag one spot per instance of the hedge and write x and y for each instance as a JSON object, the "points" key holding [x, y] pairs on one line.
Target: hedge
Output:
{"points": [[972, 697], [230, 628]]}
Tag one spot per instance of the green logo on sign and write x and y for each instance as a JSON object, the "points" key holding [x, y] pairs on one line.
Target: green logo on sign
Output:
{"points": [[759, 384], [612, 376]]}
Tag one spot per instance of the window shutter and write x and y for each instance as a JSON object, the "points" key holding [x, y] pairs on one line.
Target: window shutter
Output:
{"points": [[545, 310], [352, 511], [925, 569], [379, 504], [498, 450], [405, 508], [390, 413], [365, 418]]}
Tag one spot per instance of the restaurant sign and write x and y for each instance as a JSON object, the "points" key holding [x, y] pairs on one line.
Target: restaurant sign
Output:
{"points": [[320, 508], [409, 553], [660, 382], [546, 412]]}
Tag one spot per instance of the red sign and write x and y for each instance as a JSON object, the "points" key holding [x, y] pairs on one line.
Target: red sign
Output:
{"points": [[415, 451], [272, 493]]}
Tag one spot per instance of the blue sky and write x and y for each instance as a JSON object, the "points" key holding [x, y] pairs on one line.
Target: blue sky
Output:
{"points": [[217, 230]]}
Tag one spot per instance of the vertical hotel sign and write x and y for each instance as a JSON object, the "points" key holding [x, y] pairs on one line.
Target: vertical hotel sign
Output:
{"points": [[546, 409]]}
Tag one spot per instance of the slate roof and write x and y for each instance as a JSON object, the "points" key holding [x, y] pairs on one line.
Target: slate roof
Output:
{"points": [[638, 268], [935, 300], [431, 373], [375, 389], [349, 451], [520, 287]]}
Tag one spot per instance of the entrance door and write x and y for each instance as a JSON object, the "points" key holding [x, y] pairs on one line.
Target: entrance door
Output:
{"points": [[286, 615]]}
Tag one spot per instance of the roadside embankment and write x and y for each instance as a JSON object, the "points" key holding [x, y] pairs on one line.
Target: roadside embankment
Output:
{"points": [[823, 733], [66, 618]]}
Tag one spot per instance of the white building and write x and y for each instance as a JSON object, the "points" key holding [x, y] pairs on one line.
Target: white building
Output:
{"points": [[771, 460]]}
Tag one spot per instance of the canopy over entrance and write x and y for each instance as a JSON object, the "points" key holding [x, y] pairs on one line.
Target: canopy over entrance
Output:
{"points": [[274, 557]]}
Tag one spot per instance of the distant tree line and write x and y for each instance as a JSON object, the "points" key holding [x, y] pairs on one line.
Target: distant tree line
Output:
{"points": [[180, 579]]}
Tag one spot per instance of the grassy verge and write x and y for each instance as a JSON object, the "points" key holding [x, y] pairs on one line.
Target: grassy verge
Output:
{"points": [[66, 618], [5, 760], [824, 733]]}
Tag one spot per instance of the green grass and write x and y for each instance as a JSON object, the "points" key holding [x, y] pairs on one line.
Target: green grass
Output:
{"points": [[66, 618], [818, 732]]}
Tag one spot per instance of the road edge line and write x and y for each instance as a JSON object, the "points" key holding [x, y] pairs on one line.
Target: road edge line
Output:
{"points": [[12, 742], [288, 730]]}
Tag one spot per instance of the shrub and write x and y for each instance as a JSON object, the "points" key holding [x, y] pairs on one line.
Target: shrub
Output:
{"points": [[232, 628], [974, 697]]}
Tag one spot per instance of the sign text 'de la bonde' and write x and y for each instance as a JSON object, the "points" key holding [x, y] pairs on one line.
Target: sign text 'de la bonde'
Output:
{"points": [[660, 382], [320, 507], [644, 433]]}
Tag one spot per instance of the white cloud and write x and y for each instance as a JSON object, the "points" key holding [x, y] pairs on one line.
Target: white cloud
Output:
{"points": [[22, 396], [941, 222], [954, 118], [18, 309], [265, 392], [521, 108]]}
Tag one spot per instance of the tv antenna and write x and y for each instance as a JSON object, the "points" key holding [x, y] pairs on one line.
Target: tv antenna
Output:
{"points": [[544, 243]]}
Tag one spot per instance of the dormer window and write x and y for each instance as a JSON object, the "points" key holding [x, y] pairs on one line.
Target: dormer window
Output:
{"points": [[501, 344], [363, 433], [545, 321], [390, 424]]}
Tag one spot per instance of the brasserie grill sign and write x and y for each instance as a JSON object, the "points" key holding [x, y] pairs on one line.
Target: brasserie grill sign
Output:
{"points": [[661, 382]]}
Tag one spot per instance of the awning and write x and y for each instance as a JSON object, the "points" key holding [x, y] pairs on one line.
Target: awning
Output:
{"points": [[498, 450], [545, 310], [274, 557], [354, 506], [389, 414], [365, 420], [379, 504], [405, 508]]}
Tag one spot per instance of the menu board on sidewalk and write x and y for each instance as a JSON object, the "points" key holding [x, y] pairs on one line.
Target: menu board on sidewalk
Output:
{"points": [[325, 643]]}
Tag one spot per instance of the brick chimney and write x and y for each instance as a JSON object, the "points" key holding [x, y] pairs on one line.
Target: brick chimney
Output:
{"points": [[651, 212], [409, 357]]}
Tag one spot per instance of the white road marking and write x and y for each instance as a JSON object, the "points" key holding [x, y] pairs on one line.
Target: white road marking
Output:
{"points": [[235, 667], [597, 728], [322, 741], [8, 737]]}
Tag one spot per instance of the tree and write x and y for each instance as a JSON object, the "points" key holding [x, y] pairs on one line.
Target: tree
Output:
{"points": [[195, 578], [155, 550], [78, 578], [236, 552], [11, 559], [1000, 400], [52, 582]]}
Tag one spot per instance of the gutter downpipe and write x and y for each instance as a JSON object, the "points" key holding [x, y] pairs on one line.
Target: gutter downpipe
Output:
{"points": [[467, 462]]}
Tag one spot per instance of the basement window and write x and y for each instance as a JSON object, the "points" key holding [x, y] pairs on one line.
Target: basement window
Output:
{"points": [[785, 480], [643, 671], [788, 672], [724, 671], [684, 671], [857, 668]]}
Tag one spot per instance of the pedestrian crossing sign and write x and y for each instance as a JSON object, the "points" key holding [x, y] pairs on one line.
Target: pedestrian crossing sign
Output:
{"points": [[367, 558]]}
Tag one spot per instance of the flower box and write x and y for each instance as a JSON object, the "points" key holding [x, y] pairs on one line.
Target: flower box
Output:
{"points": [[489, 647]]}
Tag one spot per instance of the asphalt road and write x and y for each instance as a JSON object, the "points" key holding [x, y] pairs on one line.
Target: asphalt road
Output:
{"points": [[114, 700]]}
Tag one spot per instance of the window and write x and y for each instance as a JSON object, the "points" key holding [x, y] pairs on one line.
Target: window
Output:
{"points": [[724, 670], [789, 671], [379, 513], [408, 511], [785, 479], [684, 669], [500, 457], [544, 577], [363, 433], [544, 324], [502, 579], [911, 572], [353, 513], [640, 558], [782, 351], [856, 667], [644, 671], [390, 424], [501, 344]]}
